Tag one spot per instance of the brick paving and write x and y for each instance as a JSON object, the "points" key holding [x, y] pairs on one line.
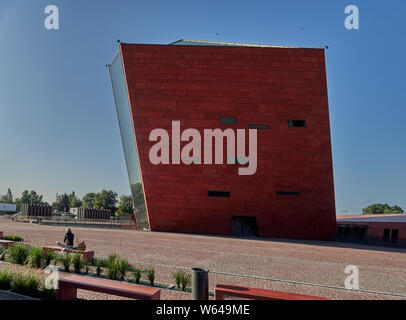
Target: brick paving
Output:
{"points": [[306, 267]]}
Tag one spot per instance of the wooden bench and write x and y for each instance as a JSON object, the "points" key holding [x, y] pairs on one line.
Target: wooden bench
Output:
{"points": [[6, 243], [223, 290], [87, 255], [67, 288]]}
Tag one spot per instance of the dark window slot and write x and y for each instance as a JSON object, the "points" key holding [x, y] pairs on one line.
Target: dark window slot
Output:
{"points": [[228, 120], [287, 193], [297, 123], [395, 235], [220, 194], [258, 126], [386, 233]]}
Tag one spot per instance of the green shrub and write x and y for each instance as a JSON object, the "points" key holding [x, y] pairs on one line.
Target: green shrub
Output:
{"points": [[186, 281], [178, 278], [117, 268], [86, 265], [35, 257], [17, 254], [77, 262], [182, 279], [151, 275], [49, 256], [123, 268], [5, 279], [111, 258], [65, 259], [137, 274], [26, 284], [99, 264], [112, 269], [13, 237], [47, 294]]}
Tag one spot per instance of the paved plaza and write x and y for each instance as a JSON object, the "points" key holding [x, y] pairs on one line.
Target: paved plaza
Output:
{"points": [[306, 267]]}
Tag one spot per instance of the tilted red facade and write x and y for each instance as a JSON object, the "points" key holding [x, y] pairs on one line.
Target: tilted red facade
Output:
{"points": [[291, 195]]}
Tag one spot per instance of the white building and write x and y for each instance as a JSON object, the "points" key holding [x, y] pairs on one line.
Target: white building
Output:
{"points": [[7, 207]]}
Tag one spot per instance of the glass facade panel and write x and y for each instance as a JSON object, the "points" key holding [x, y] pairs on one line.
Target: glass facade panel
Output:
{"points": [[128, 139]]}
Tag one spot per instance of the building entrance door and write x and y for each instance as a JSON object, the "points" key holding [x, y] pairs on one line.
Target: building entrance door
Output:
{"points": [[244, 227]]}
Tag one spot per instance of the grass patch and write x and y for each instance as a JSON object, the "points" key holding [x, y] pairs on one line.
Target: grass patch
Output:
{"points": [[35, 258], [112, 267], [123, 268], [137, 272], [13, 237], [47, 294], [48, 257], [78, 263], [17, 253], [5, 280], [182, 279], [65, 259], [86, 265], [150, 275], [117, 268], [26, 284], [99, 264]]}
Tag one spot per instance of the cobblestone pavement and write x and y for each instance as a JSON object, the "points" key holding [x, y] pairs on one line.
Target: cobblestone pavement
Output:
{"points": [[307, 267]]}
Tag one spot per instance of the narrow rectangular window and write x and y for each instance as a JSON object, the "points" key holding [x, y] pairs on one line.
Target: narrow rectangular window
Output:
{"points": [[287, 193], [386, 233], [297, 123], [395, 235], [228, 120], [258, 126], [220, 194]]}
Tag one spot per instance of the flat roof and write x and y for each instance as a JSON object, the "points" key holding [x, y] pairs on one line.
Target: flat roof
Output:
{"points": [[188, 42], [397, 218]]}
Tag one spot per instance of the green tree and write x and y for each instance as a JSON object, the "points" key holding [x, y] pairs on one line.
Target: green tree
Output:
{"points": [[62, 203], [30, 197], [88, 200], [125, 205], [8, 198], [106, 199], [74, 202], [380, 208], [396, 209]]}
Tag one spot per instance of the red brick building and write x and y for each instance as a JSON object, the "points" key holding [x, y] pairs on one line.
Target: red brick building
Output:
{"points": [[380, 228], [280, 91]]}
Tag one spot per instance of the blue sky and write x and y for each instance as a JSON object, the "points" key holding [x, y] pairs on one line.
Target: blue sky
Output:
{"points": [[58, 125]]}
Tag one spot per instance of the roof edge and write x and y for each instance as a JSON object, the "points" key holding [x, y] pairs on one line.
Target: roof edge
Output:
{"points": [[236, 44]]}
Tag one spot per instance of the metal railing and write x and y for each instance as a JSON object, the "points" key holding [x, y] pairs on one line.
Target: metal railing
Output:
{"points": [[58, 221]]}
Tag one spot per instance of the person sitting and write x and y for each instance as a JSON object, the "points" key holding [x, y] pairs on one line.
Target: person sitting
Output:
{"points": [[68, 240]]}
